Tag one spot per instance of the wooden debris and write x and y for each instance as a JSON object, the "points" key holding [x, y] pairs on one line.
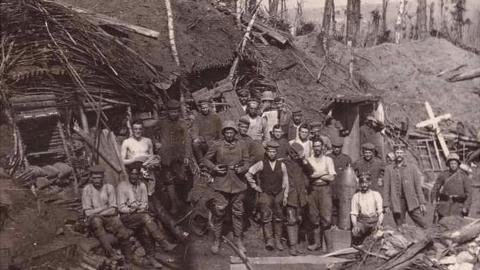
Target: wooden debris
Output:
{"points": [[244, 259], [451, 70], [406, 255], [307, 259], [370, 253], [101, 19], [440, 137], [432, 121], [465, 234], [471, 74], [267, 30]]}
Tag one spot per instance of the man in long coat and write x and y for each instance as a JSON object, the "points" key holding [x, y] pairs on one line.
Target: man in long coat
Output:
{"points": [[402, 190]]}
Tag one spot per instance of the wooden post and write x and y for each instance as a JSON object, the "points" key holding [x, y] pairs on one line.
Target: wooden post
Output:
{"points": [[422, 19], [83, 119], [69, 157], [440, 137]]}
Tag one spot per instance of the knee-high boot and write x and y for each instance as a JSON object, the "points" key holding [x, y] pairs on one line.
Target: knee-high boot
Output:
{"points": [[292, 232], [267, 234], [317, 236], [278, 226]]}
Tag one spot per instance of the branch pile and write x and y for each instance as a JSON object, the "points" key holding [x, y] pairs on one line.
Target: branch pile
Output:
{"points": [[47, 48]]}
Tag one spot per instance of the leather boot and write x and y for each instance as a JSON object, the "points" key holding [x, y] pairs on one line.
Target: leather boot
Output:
{"points": [[327, 235], [239, 243], [278, 226], [217, 234], [267, 234], [317, 240], [292, 232]]}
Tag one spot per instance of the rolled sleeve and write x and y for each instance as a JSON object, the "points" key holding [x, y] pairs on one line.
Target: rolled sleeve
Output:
{"points": [[331, 167], [355, 207], [87, 199], [378, 203], [255, 168]]}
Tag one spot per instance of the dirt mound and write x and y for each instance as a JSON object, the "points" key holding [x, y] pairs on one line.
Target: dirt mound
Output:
{"points": [[407, 75]]}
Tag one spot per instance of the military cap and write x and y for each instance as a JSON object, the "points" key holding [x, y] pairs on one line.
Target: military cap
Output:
{"points": [[368, 146], [296, 148], [364, 176], [135, 165], [272, 144], [244, 120], [337, 141], [399, 146], [297, 111], [267, 95], [229, 124], [173, 104], [243, 92], [97, 169], [204, 101]]}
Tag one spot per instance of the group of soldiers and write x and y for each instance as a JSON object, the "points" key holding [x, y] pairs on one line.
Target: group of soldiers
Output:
{"points": [[270, 164]]}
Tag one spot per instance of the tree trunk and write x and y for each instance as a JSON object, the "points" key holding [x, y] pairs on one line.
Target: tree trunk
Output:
{"points": [[384, 17], [353, 20], [457, 17], [376, 25], [400, 24], [273, 8], [328, 16], [431, 22], [422, 19], [251, 6]]}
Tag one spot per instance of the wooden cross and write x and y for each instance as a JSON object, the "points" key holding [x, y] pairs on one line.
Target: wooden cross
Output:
{"points": [[434, 122]]}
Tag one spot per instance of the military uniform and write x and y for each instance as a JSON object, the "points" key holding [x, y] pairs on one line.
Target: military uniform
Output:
{"points": [[229, 185], [453, 192], [375, 167], [205, 130]]}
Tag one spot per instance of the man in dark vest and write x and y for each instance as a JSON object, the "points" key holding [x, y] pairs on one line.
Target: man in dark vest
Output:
{"points": [[452, 190], [272, 193], [231, 162]]}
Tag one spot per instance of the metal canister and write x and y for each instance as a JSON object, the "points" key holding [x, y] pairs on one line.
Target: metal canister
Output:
{"points": [[347, 186]]}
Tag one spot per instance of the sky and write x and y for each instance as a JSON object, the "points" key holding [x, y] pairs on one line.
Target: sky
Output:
{"points": [[319, 3]]}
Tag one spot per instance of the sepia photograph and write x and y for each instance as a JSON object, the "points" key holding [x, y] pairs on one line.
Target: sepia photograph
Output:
{"points": [[240, 134]]}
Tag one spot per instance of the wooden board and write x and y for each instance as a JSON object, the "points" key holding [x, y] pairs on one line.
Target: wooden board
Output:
{"points": [[307, 259]]}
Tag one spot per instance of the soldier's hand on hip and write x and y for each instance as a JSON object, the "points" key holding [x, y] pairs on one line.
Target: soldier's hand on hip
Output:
{"points": [[423, 209]]}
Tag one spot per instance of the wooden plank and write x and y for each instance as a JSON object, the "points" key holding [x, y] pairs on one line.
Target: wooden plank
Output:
{"points": [[432, 121], [440, 137], [98, 18], [266, 29], [467, 75], [307, 259]]}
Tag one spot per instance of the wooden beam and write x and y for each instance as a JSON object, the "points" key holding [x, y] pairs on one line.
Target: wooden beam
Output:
{"points": [[467, 75], [101, 19], [432, 121], [440, 137], [307, 259], [266, 29]]}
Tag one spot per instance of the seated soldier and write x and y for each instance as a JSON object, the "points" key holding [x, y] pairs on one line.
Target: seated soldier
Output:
{"points": [[367, 211], [133, 208], [100, 207], [273, 193]]}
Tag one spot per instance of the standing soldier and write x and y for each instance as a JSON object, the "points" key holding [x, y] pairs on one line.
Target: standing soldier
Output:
{"points": [[231, 161], [243, 125], [205, 129], [340, 161], [293, 126], [372, 165], [243, 97], [277, 136], [452, 190], [320, 197], [272, 193], [303, 133], [174, 150], [257, 129], [297, 193], [402, 190]]}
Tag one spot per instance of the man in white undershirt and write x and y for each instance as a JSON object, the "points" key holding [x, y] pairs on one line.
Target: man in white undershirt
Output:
{"points": [[302, 139]]}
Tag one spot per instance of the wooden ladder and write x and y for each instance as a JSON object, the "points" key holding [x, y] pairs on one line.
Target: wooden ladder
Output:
{"points": [[428, 160]]}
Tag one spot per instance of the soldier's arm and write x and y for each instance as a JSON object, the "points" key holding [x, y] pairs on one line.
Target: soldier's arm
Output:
{"points": [[257, 167], [210, 156], [386, 188], [143, 206], [417, 180], [436, 187], [285, 183], [111, 209], [467, 185], [122, 199]]}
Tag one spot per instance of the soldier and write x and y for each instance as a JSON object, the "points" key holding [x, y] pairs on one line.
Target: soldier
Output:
{"points": [[133, 207], [205, 129], [372, 165], [303, 133], [174, 151], [257, 130], [272, 193], [370, 133], [320, 196], [402, 190], [291, 129], [99, 205], [278, 136], [231, 161], [316, 133], [297, 193], [340, 161], [452, 190], [367, 211], [243, 125], [243, 97]]}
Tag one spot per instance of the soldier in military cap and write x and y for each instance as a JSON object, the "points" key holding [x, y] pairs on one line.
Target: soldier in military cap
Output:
{"points": [[367, 210], [205, 129], [292, 127], [272, 193], [340, 161], [174, 151], [228, 159], [372, 165], [452, 190]]}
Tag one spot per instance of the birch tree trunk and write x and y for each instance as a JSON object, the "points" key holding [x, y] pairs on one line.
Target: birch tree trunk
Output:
{"points": [[384, 17], [328, 17], [171, 32], [353, 20], [422, 19], [400, 23], [431, 22]]}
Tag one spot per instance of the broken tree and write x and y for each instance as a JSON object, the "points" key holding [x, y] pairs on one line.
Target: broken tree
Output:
{"points": [[422, 19], [353, 20]]}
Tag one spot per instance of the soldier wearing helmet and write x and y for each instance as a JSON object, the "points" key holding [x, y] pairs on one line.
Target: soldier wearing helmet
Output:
{"points": [[452, 191], [228, 158]]}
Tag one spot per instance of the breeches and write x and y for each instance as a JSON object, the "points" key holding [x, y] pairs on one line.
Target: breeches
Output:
{"points": [[270, 207], [220, 205], [101, 224], [320, 206]]}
